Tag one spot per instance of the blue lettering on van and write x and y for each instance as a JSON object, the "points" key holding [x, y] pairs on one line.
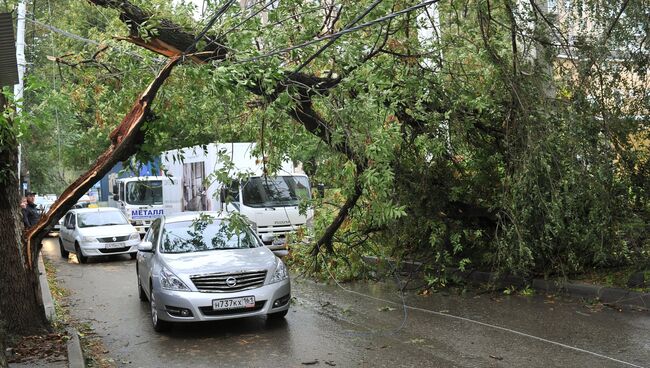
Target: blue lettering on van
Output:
{"points": [[146, 214]]}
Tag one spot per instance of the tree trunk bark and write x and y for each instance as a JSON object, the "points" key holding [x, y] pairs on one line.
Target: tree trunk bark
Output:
{"points": [[21, 305]]}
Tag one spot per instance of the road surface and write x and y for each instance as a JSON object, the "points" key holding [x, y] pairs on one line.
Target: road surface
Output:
{"points": [[358, 325]]}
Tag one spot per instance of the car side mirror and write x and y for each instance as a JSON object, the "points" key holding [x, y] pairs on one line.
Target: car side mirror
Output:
{"points": [[267, 238], [116, 197], [145, 246]]}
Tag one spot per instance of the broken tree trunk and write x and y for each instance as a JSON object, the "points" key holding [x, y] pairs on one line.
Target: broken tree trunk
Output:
{"points": [[125, 141]]}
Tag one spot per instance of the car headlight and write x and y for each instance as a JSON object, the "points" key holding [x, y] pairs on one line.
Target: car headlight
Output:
{"points": [[280, 273], [134, 236], [88, 239], [169, 281]]}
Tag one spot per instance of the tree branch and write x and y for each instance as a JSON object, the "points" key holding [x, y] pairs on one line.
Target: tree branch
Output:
{"points": [[125, 141]]}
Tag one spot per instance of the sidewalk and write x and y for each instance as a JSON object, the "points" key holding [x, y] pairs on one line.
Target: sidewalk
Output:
{"points": [[74, 357]]}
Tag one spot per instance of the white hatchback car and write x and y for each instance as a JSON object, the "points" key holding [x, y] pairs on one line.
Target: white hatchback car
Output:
{"points": [[204, 267], [89, 232]]}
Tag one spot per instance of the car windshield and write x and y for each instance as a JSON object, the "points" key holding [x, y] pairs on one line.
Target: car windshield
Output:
{"points": [[205, 234], [103, 218], [144, 192], [280, 191]]}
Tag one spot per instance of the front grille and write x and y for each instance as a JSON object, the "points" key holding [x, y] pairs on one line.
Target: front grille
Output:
{"points": [[208, 311], [216, 282], [110, 239], [114, 250]]}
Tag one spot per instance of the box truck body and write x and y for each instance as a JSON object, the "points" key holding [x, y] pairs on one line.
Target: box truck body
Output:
{"points": [[269, 202]]}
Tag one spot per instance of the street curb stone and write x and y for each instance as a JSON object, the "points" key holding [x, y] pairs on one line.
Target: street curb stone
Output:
{"points": [[75, 355], [46, 293], [607, 295]]}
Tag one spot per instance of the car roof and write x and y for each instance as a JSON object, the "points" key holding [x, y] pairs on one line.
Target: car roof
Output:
{"points": [[98, 209], [190, 216]]}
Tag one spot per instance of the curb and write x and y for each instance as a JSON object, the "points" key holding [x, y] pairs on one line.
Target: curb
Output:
{"points": [[606, 295], [75, 354], [48, 302]]}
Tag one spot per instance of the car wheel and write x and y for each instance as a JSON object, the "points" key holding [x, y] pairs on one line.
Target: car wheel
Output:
{"points": [[158, 324], [141, 294], [134, 255], [80, 257], [278, 315], [64, 253]]}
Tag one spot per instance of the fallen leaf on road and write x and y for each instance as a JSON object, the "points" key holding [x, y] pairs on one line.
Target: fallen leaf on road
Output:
{"points": [[330, 363], [496, 357], [310, 362]]}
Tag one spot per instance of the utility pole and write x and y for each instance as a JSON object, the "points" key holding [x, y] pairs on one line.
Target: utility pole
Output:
{"points": [[20, 87]]}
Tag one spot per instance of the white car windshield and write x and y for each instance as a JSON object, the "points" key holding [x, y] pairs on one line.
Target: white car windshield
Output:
{"points": [[103, 218], [205, 234]]}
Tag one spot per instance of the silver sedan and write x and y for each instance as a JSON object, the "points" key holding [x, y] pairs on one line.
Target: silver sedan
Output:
{"points": [[203, 267]]}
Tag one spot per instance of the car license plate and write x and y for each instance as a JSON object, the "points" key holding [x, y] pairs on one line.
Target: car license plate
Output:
{"points": [[114, 245], [234, 303]]}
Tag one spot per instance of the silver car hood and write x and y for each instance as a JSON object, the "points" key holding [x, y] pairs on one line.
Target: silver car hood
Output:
{"points": [[217, 261]]}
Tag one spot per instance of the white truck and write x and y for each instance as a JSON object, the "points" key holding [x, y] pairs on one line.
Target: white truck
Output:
{"points": [[269, 202], [140, 199]]}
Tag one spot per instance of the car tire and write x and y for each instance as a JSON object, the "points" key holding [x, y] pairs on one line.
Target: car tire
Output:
{"points": [[80, 257], [158, 324], [134, 255], [64, 253], [278, 315]]}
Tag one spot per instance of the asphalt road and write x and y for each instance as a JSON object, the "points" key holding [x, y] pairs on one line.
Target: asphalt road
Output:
{"points": [[358, 325]]}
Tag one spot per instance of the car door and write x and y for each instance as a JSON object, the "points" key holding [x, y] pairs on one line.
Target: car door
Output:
{"points": [[146, 259], [72, 229], [64, 232]]}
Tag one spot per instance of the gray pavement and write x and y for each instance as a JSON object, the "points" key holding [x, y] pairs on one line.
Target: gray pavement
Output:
{"points": [[359, 325]]}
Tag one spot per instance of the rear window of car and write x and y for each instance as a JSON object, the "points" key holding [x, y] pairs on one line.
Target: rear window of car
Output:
{"points": [[103, 218], [205, 234]]}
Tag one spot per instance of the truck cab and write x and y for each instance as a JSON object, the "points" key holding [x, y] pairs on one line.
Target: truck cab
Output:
{"points": [[271, 203], [139, 198]]}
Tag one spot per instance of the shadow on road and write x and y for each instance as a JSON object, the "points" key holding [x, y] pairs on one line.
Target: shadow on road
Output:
{"points": [[226, 328]]}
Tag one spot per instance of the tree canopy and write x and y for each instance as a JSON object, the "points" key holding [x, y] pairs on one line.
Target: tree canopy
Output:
{"points": [[510, 135]]}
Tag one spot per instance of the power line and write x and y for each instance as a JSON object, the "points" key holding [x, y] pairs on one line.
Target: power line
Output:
{"points": [[249, 17], [338, 34], [211, 22], [82, 39], [332, 40]]}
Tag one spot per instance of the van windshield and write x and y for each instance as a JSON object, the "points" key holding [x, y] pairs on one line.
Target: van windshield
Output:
{"points": [[279, 191], [144, 192]]}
